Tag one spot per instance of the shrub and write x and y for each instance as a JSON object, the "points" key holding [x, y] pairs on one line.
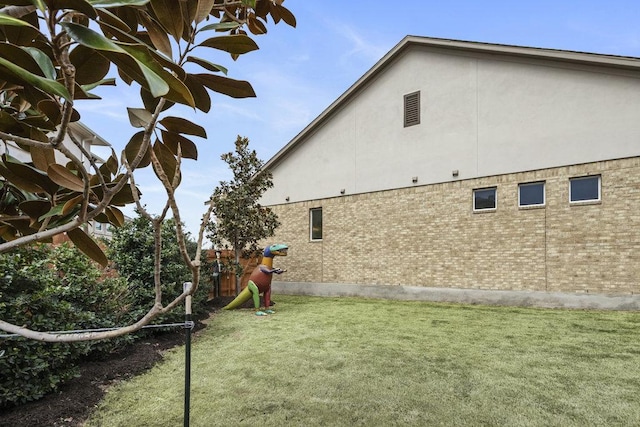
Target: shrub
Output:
{"points": [[131, 250], [52, 289]]}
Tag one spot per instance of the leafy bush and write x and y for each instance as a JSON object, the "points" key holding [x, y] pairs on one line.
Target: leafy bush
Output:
{"points": [[131, 249], [57, 288], [52, 289]]}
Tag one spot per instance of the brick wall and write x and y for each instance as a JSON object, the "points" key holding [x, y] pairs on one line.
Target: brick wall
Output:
{"points": [[429, 235]]}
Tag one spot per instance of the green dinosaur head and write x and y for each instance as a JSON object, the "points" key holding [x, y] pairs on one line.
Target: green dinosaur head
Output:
{"points": [[277, 249]]}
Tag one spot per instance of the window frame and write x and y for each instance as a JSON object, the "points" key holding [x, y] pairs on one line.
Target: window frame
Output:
{"points": [[311, 218], [495, 199], [585, 178], [531, 184]]}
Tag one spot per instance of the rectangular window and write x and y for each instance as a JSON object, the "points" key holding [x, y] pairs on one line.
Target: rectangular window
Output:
{"points": [[485, 199], [412, 109], [315, 223], [531, 194], [584, 189]]}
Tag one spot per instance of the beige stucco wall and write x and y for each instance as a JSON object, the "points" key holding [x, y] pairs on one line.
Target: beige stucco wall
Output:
{"points": [[429, 236], [481, 115]]}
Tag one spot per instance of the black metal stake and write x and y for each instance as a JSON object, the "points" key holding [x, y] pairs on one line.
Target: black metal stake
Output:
{"points": [[187, 355]]}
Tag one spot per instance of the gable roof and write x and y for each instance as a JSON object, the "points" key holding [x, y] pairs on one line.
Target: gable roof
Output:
{"points": [[620, 64]]}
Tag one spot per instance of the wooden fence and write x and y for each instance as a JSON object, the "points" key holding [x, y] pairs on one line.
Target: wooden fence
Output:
{"points": [[227, 285]]}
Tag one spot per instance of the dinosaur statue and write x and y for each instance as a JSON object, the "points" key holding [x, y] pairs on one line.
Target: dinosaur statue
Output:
{"points": [[260, 281]]}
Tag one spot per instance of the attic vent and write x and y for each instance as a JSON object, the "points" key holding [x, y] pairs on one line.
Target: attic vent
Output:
{"points": [[412, 109]]}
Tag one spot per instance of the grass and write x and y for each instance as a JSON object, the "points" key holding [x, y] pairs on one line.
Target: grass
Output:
{"points": [[358, 362]]}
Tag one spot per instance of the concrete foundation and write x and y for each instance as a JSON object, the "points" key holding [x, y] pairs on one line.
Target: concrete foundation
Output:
{"points": [[463, 296]]}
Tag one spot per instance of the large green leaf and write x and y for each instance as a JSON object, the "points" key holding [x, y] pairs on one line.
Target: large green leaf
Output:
{"points": [[151, 103], [235, 44], [91, 67], [44, 84], [115, 215], [207, 65], [65, 178], [35, 208], [51, 109], [26, 177], [157, 35], [55, 211], [227, 86], [133, 148], [256, 26], [72, 204], [203, 10], [188, 149], [89, 38], [181, 125], [111, 165], [82, 6], [221, 26], [139, 117], [36, 134], [167, 160], [104, 82], [9, 123], [143, 44], [106, 17], [11, 21], [86, 245], [44, 62], [42, 157], [177, 91], [124, 196], [189, 11], [156, 84], [199, 92], [170, 17], [20, 57], [117, 3], [286, 15]]}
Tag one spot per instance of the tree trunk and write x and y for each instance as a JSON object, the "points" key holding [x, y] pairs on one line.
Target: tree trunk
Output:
{"points": [[238, 276]]}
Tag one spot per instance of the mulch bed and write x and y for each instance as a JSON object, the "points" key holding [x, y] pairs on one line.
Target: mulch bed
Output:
{"points": [[73, 403]]}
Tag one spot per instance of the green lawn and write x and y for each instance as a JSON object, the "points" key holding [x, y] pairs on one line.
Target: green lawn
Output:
{"points": [[350, 362]]}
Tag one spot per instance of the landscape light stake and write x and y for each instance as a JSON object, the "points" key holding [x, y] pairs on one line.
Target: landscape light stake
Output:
{"points": [[188, 326]]}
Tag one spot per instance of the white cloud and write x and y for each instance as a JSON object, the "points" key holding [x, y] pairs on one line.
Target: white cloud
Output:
{"points": [[360, 45]]}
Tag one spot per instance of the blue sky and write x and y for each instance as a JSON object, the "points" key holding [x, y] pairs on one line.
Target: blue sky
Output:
{"points": [[298, 72]]}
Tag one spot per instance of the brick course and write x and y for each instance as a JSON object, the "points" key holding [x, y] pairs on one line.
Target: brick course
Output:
{"points": [[429, 235]]}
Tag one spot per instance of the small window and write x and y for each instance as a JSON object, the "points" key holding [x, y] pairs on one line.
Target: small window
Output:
{"points": [[484, 199], [98, 226], [412, 109], [531, 194], [315, 223], [584, 189]]}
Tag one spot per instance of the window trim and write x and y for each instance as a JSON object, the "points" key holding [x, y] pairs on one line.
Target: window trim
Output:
{"points": [[473, 200], [413, 100], [586, 201], [531, 184], [311, 212]]}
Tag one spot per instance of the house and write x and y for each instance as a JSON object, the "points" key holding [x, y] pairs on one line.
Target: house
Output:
{"points": [[465, 165], [89, 139]]}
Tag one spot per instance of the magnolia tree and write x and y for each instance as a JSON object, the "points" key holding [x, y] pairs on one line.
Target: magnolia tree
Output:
{"points": [[55, 52], [240, 219]]}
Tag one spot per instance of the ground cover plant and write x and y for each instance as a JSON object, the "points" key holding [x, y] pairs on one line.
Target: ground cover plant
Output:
{"points": [[347, 361]]}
